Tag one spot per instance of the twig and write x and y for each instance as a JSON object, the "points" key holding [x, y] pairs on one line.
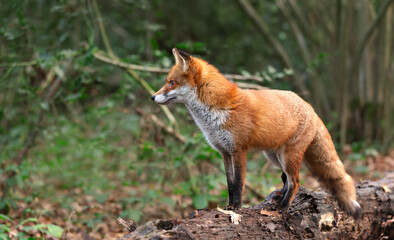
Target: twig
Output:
{"points": [[69, 223], [250, 85], [304, 20], [115, 61], [160, 124], [151, 92], [242, 77], [102, 29], [100, 55], [253, 191], [18, 64]]}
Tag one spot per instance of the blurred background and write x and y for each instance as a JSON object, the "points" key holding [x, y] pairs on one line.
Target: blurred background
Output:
{"points": [[81, 143]]}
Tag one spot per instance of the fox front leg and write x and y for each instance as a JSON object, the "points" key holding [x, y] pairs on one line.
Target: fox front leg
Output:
{"points": [[235, 165]]}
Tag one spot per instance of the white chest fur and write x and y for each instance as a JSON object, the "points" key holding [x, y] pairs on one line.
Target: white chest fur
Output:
{"points": [[210, 121]]}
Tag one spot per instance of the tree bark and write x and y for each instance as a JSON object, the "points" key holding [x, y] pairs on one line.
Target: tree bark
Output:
{"points": [[312, 215]]}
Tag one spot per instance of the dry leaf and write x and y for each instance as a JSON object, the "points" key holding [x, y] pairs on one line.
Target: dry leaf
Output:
{"points": [[269, 213], [386, 189]]}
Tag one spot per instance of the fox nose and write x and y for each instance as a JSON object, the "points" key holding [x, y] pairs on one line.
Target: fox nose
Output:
{"points": [[153, 98]]}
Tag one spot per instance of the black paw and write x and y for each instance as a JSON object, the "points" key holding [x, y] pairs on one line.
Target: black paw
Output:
{"points": [[276, 196], [232, 207], [282, 207]]}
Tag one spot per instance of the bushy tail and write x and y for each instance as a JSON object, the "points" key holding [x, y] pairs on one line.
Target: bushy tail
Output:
{"points": [[323, 161]]}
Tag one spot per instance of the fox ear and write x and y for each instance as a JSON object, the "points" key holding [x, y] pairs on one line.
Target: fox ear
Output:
{"points": [[181, 58]]}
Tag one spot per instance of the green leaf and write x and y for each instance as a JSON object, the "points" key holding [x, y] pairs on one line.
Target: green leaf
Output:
{"points": [[59, 72], [27, 220], [200, 201], [288, 71], [245, 73], [44, 105], [4, 228], [271, 69], [4, 217], [35, 227], [38, 226], [55, 230], [279, 75], [101, 198], [267, 77], [4, 236]]}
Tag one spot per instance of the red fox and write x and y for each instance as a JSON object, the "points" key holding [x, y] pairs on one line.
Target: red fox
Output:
{"points": [[280, 123]]}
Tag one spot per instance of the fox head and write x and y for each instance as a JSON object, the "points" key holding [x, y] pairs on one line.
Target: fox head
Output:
{"points": [[180, 80]]}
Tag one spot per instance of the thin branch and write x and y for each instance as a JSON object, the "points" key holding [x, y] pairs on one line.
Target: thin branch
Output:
{"points": [[250, 86], [18, 64], [102, 29], [302, 17], [116, 61], [242, 77], [162, 125], [248, 186], [69, 223], [306, 55], [143, 68], [151, 92]]}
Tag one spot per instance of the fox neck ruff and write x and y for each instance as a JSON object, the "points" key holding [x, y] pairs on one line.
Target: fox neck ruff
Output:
{"points": [[210, 121]]}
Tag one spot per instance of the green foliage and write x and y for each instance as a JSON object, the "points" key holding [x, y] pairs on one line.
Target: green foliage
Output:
{"points": [[22, 231]]}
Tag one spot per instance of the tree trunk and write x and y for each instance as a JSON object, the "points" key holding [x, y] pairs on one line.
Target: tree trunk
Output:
{"points": [[312, 215]]}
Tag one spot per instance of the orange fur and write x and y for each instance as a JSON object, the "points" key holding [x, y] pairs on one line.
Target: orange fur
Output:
{"points": [[278, 122]]}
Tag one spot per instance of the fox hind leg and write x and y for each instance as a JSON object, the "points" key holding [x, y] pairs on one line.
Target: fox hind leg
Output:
{"points": [[292, 170], [279, 194], [285, 185]]}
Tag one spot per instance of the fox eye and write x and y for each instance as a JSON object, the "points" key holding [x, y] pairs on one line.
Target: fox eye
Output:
{"points": [[171, 83]]}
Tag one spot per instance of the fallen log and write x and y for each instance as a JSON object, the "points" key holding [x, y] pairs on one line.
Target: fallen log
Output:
{"points": [[312, 215]]}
